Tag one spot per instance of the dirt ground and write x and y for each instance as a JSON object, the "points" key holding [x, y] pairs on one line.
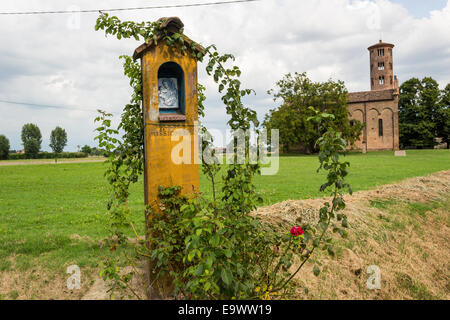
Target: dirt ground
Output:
{"points": [[402, 228], [38, 283]]}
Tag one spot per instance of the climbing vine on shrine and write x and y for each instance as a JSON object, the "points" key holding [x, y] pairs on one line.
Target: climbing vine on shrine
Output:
{"points": [[211, 248]]}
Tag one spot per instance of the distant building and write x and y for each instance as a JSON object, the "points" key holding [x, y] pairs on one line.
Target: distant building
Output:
{"points": [[378, 108], [440, 144]]}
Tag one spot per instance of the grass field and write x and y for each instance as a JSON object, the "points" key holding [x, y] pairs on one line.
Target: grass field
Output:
{"points": [[52, 216], [297, 177]]}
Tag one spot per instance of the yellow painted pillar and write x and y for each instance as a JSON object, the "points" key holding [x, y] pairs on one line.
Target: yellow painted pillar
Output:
{"points": [[170, 108]]}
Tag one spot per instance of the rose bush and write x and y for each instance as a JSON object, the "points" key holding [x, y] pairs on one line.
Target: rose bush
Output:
{"points": [[212, 248]]}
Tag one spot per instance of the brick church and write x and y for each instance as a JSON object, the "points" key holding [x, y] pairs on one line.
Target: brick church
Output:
{"points": [[378, 108]]}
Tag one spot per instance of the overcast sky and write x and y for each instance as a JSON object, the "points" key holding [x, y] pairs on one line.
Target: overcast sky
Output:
{"points": [[54, 60]]}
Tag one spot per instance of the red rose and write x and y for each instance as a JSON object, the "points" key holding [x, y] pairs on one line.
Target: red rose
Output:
{"points": [[296, 231]]}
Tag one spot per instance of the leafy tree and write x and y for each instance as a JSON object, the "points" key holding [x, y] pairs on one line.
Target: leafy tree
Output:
{"points": [[4, 147], [96, 151], [31, 139], [443, 116], [58, 140], [86, 149], [298, 93], [419, 111]]}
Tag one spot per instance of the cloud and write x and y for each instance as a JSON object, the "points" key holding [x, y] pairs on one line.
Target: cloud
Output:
{"points": [[47, 60]]}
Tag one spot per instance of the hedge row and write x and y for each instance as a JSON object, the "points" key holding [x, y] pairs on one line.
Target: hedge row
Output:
{"points": [[48, 155]]}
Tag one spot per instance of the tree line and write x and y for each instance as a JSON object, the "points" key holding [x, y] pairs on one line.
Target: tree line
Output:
{"points": [[424, 112], [32, 139], [424, 115]]}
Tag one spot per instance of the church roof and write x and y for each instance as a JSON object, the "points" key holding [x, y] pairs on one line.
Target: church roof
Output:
{"points": [[375, 95], [171, 25]]}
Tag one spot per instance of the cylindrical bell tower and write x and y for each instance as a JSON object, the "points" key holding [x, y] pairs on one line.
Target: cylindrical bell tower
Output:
{"points": [[381, 66]]}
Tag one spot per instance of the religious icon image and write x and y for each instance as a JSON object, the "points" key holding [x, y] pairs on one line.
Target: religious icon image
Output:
{"points": [[168, 93]]}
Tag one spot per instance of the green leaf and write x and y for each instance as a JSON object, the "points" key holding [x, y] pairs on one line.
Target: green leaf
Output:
{"points": [[345, 223], [228, 253], [226, 277], [214, 240], [316, 271], [191, 256], [331, 251], [199, 270], [316, 242]]}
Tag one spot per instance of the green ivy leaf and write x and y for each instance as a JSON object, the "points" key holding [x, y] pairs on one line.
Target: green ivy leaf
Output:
{"points": [[191, 256], [345, 223], [199, 270], [226, 277], [330, 250], [214, 240], [316, 270], [228, 253]]}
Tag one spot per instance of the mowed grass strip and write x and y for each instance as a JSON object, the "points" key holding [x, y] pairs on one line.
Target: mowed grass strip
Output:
{"points": [[297, 177], [50, 161], [54, 215]]}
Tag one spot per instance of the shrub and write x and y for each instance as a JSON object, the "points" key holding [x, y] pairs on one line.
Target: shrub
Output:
{"points": [[213, 250], [4, 147], [16, 156], [72, 155], [48, 155], [96, 152], [213, 253]]}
